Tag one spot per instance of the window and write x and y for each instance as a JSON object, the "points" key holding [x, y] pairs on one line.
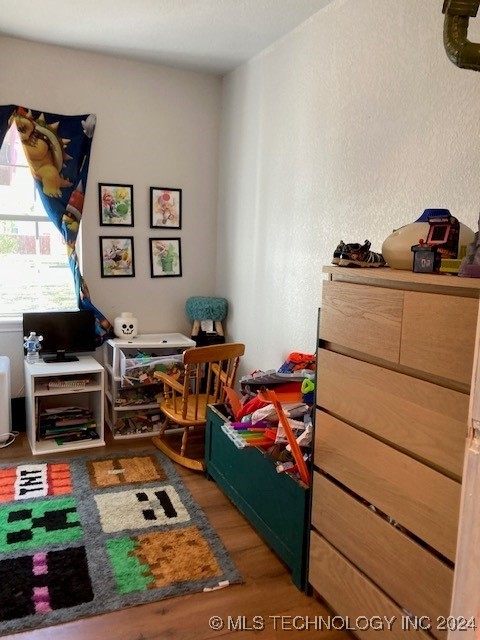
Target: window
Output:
{"points": [[34, 268]]}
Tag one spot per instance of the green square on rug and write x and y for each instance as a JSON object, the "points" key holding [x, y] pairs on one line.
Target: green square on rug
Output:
{"points": [[94, 534]]}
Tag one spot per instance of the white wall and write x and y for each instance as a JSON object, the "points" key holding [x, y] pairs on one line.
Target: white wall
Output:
{"points": [[348, 127], [156, 126]]}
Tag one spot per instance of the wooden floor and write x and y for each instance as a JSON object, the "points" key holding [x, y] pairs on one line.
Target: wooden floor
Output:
{"points": [[267, 590]]}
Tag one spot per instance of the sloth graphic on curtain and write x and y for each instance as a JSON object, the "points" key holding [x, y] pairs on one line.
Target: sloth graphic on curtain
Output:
{"points": [[58, 148]]}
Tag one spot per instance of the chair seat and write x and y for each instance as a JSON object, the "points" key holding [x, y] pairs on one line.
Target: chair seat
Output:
{"points": [[196, 410]]}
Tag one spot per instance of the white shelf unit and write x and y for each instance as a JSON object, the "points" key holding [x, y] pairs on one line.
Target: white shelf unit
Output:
{"points": [[117, 415], [39, 397]]}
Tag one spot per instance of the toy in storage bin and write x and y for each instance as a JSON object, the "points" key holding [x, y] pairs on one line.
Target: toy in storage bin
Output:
{"points": [[139, 370], [138, 422]]}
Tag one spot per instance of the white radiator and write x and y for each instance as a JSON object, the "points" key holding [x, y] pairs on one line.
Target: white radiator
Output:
{"points": [[5, 402]]}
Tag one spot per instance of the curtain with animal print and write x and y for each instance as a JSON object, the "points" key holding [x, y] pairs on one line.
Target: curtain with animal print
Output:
{"points": [[58, 149]]}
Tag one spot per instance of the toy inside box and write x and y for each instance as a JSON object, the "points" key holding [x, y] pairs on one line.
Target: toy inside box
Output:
{"points": [[136, 395], [137, 423], [139, 370]]}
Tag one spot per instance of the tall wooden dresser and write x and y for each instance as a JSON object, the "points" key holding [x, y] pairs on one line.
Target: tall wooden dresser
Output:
{"points": [[394, 373]]}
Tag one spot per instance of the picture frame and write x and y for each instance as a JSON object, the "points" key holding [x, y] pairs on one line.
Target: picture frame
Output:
{"points": [[115, 203], [117, 259], [165, 257], [165, 208]]}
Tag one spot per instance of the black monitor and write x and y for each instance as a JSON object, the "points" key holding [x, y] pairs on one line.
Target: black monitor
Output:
{"points": [[64, 333]]}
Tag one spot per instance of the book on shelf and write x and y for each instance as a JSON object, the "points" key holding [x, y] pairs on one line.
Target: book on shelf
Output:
{"points": [[88, 434], [70, 383], [60, 417], [62, 410], [55, 420], [54, 432], [67, 422], [70, 411]]}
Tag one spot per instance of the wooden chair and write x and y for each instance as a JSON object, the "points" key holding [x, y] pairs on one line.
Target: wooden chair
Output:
{"points": [[207, 370]]}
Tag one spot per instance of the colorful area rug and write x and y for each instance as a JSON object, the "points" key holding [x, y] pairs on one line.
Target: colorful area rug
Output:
{"points": [[95, 534]]}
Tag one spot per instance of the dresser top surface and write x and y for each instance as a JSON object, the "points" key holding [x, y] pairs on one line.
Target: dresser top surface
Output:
{"points": [[385, 276]]}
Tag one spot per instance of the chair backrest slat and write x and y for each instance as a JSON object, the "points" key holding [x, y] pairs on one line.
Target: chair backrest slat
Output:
{"points": [[206, 372], [213, 353]]}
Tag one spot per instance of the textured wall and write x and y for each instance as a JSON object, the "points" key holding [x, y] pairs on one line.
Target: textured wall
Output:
{"points": [[348, 127], [156, 126]]}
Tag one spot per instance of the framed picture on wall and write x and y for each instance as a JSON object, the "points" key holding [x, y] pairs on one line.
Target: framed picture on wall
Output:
{"points": [[165, 208], [117, 257], [116, 204], [165, 257]]}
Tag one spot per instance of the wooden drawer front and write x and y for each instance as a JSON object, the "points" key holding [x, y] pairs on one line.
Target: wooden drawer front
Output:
{"points": [[417, 416], [364, 318], [350, 593], [421, 499], [438, 334], [408, 573]]}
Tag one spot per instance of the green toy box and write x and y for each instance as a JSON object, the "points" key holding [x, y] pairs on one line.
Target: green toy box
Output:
{"points": [[276, 504]]}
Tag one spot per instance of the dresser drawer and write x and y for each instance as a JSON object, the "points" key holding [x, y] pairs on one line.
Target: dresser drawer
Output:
{"points": [[364, 318], [350, 593], [422, 500], [407, 572], [430, 332], [421, 418], [438, 334]]}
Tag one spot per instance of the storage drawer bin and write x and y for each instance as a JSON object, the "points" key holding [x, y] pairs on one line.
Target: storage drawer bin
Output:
{"points": [[276, 504], [138, 422], [140, 370]]}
